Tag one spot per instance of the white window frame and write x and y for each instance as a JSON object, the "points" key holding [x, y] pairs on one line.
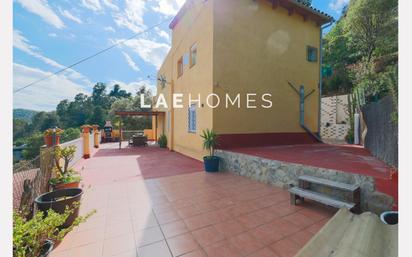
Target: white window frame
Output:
{"points": [[193, 55], [192, 119]]}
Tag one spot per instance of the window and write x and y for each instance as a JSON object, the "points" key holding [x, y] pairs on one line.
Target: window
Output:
{"points": [[193, 55], [192, 119], [312, 54], [180, 67]]}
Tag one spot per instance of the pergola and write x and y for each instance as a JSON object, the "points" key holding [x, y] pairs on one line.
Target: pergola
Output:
{"points": [[138, 113]]}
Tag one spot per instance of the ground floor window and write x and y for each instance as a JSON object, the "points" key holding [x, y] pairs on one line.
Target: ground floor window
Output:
{"points": [[192, 119]]}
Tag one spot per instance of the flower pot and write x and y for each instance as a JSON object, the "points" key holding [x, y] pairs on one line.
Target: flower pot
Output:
{"points": [[48, 140], [46, 248], [389, 217], [66, 185], [58, 200], [211, 163]]}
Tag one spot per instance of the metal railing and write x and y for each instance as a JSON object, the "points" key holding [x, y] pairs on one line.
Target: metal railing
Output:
{"points": [[24, 174]]}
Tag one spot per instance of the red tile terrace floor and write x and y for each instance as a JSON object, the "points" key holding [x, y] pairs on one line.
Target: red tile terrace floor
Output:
{"points": [[190, 214], [346, 158]]}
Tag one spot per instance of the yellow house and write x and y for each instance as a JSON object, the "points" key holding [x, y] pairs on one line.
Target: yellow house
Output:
{"points": [[248, 48]]}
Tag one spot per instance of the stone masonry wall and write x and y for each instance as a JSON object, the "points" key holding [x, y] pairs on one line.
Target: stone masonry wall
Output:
{"points": [[283, 174]]}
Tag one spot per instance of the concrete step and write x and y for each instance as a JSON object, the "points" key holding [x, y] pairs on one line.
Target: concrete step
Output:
{"points": [[308, 194], [329, 183]]}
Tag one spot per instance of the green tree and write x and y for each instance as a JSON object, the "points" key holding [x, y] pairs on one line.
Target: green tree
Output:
{"points": [[34, 142], [98, 117], [371, 27], [20, 129], [119, 93], [61, 111], [70, 134]]}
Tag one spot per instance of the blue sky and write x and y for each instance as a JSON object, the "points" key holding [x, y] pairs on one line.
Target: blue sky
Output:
{"points": [[49, 35]]}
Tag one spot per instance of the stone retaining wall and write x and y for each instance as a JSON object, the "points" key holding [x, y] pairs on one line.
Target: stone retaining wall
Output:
{"points": [[283, 174]]}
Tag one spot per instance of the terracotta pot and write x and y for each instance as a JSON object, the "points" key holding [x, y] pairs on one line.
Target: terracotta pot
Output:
{"points": [[66, 185], [48, 140]]}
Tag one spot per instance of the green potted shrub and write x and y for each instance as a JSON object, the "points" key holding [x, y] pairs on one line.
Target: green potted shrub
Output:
{"points": [[210, 141], [64, 177], [162, 141], [37, 236]]}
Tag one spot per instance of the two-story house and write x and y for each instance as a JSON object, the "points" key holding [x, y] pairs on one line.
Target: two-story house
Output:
{"points": [[246, 48]]}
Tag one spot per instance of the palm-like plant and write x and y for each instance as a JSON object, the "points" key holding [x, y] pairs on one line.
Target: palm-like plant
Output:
{"points": [[210, 141]]}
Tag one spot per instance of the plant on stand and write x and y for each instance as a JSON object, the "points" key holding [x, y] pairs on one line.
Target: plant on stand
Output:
{"points": [[210, 141], [64, 177], [52, 136]]}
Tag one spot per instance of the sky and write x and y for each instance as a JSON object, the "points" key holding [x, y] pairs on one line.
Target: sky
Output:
{"points": [[50, 35]]}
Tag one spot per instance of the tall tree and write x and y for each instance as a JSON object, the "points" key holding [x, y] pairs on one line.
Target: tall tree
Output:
{"points": [[371, 27], [119, 93]]}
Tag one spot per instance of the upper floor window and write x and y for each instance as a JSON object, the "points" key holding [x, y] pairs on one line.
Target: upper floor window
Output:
{"points": [[312, 54], [193, 55], [192, 119], [180, 67]]}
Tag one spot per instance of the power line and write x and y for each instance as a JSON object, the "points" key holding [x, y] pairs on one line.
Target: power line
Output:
{"points": [[91, 56]]}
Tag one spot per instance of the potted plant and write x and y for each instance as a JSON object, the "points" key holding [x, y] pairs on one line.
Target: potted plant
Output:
{"points": [[52, 136], [64, 177], [209, 143], [162, 141], [59, 201], [37, 236]]}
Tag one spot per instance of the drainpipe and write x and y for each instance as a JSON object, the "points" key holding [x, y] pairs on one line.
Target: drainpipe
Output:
{"points": [[302, 114], [320, 72]]}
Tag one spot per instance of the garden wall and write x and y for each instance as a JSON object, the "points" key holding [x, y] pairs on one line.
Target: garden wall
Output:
{"points": [[334, 117], [382, 136], [79, 149], [283, 174]]}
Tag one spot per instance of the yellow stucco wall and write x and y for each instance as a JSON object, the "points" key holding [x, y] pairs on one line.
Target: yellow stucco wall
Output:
{"points": [[243, 47], [195, 27], [258, 49]]}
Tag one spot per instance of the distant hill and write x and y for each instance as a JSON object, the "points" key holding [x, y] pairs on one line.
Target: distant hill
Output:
{"points": [[23, 114]]}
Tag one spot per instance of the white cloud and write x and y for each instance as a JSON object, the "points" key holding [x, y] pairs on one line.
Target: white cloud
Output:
{"points": [[168, 7], [337, 5], [109, 4], [164, 34], [130, 62], [70, 16], [150, 51], [93, 5], [42, 9], [133, 87], [44, 95], [132, 16], [23, 44], [110, 29]]}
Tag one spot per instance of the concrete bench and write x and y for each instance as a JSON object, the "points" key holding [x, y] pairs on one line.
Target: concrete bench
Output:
{"points": [[304, 191]]}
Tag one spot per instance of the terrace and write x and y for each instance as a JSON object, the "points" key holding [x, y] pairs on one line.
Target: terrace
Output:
{"points": [[153, 202]]}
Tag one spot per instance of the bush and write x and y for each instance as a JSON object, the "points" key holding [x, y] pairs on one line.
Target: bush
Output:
{"points": [[62, 173], [210, 141], [162, 141], [70, 134], [33, 146], [29, 235]]}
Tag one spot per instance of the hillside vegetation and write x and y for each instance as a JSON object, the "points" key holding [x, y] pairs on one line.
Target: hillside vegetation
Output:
{"points": [[83, 109], [361, 50], [23, 114]]}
